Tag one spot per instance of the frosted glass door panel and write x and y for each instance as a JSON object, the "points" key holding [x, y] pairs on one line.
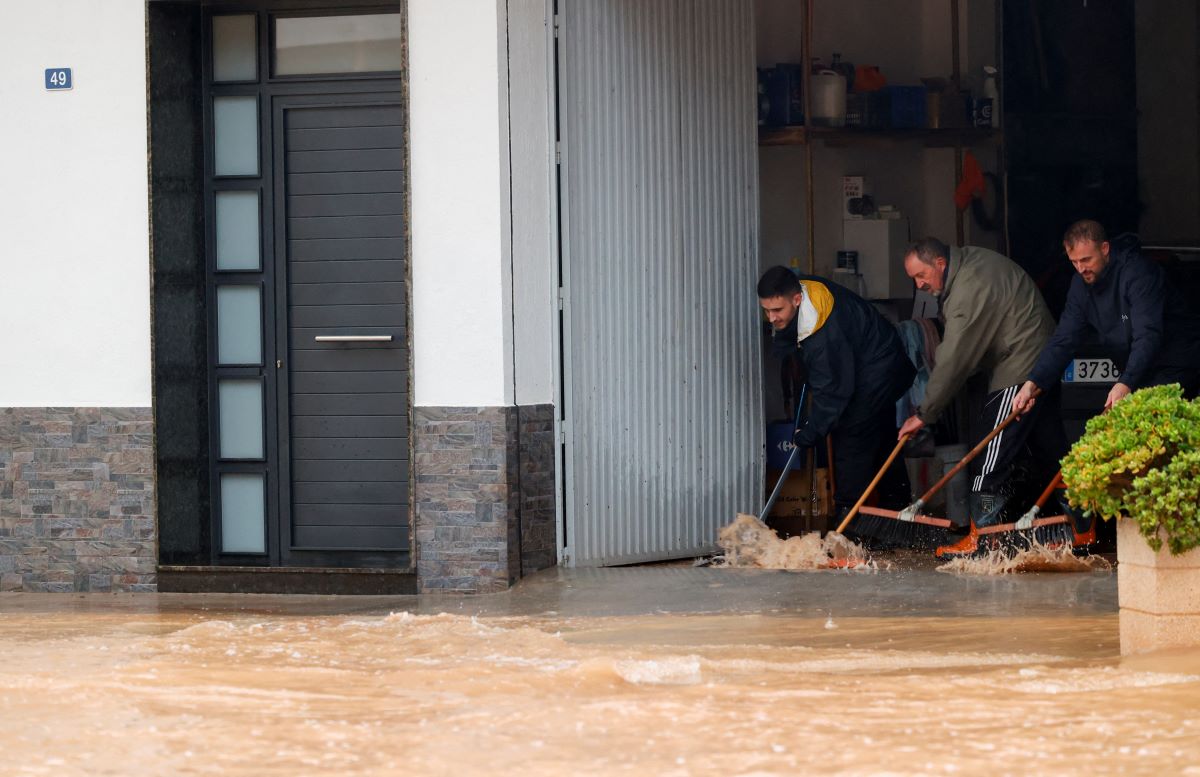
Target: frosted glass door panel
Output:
{"points": [[241, 419], [338, 44], [235, 125], [239, 325], [235, 50], [238, 231], [243, 514]]}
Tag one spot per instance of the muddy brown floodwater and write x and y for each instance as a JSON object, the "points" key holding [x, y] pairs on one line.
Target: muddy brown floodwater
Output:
{"points": [[764, 673]]}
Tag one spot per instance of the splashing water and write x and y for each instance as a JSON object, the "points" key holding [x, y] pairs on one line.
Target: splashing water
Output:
{"points": [[1036, 558], [748, 542]]}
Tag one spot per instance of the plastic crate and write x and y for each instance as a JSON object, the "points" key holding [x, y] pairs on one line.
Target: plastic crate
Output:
{"points": [[907, 106]]}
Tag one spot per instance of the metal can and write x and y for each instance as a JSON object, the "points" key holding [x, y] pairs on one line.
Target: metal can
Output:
{"points": [[981, 112]]}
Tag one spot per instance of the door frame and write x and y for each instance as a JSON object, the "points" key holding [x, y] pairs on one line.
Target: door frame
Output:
{"points": [[270, 183]]}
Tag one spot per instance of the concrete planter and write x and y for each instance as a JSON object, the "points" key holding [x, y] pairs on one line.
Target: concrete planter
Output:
{"points": [[1159, 593]]}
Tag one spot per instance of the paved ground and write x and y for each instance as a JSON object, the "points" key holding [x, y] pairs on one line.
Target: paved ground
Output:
{"points": [[669, 589]]}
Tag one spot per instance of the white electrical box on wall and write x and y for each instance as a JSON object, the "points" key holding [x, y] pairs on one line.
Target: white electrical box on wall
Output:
{"points": [[880, 244], [854, 187]]}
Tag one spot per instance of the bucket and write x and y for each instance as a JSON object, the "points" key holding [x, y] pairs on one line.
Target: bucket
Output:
{"points": [[959, 486]]}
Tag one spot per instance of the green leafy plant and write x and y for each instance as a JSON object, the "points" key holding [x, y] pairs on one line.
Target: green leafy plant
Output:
{"points": [[1169, 497], [1140, 460]]}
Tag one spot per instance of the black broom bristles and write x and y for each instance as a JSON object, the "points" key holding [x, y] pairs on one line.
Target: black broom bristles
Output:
{"points": [[893, 532]]}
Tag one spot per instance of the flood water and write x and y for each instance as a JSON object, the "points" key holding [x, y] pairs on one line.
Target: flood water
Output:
{"points": [[656, 671]]}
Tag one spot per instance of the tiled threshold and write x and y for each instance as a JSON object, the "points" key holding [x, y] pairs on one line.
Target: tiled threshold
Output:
{"points": [[286, 580]]}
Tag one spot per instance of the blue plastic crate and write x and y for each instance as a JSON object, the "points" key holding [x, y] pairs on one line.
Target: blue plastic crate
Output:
{"points": [[907, 106]]}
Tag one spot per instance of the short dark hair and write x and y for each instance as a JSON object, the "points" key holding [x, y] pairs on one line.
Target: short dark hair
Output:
{"points": [[1084, 229], [778, 281], [927, 249]]}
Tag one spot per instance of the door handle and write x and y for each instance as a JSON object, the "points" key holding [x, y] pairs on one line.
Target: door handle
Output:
{"points": [[353, 338]]}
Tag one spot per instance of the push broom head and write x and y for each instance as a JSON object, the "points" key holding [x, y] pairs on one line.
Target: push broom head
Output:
{"points": [[888, 530], [1030, 533]]}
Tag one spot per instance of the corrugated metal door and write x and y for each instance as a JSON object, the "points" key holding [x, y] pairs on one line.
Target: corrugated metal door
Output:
{"points": [[659, 215]]}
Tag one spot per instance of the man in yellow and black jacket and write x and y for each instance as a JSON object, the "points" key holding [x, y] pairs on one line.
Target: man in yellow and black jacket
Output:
{"points": [[856, 370]]}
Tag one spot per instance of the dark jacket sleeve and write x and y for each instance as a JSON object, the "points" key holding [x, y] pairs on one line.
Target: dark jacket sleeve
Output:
{"points": [[1067, 337], [830, 382], [1144, 293]]}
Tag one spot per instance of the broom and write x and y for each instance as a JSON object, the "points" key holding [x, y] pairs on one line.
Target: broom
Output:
{"points": [[910, 512], [910, 526], [1051, 530], [1032, 529], [882, 524]]}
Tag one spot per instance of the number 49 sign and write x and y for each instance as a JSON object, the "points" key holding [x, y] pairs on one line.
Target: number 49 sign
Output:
{"points": [[58, 78]]}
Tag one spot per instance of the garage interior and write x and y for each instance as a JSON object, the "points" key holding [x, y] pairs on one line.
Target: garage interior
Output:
{"points": [[1098, 118]]}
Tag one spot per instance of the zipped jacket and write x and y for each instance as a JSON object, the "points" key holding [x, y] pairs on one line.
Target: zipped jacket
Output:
{"points": [[1141, 321], [995, 322], [854, 358]]}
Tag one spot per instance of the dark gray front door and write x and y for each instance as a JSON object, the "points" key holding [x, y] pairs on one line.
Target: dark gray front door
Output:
{"points": [[343, 389]]}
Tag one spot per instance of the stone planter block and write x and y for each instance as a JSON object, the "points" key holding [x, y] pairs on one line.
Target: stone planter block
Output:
{"points": [[1159, 594]]}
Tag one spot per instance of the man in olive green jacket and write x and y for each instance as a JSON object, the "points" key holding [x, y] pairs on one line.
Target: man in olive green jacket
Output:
{"points": [[996, 322]]}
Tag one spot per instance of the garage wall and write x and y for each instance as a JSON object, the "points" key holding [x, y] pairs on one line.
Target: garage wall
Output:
{"points": [[907, 41], [75, 296]]}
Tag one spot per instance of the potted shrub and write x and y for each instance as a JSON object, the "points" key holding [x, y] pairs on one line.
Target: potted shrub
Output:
{"points": [[1140, 463]]}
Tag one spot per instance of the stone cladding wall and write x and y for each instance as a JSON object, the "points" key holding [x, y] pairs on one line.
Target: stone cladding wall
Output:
{"points": [[77, 499], [483, 486]]}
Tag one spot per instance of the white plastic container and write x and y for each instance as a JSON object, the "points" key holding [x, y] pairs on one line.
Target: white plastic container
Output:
{"points": [[991, 92], [828, 99]]}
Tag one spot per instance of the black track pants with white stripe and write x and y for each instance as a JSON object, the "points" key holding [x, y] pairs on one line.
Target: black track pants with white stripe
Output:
{"points": [[1037, 435]]}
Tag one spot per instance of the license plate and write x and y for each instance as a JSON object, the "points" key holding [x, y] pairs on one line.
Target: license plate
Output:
{"points": [[1091, 371]]}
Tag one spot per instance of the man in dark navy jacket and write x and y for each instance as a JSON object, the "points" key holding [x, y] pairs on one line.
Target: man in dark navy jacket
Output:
{"points": [[1143, 323], [856, 370]]}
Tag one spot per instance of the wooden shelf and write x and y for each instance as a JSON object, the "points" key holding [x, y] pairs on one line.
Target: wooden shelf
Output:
{"points": [[855, 136]]}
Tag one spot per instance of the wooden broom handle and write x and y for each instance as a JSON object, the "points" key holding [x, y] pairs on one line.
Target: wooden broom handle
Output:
{"points": [[878, 476], [829, 461], [967, 459], [1041, 502]]}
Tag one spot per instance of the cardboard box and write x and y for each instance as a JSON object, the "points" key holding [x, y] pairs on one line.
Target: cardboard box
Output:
{"points": [[794, 512]]}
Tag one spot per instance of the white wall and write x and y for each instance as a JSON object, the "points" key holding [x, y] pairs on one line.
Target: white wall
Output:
{"points": [[74, 229], [462, 299]]}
